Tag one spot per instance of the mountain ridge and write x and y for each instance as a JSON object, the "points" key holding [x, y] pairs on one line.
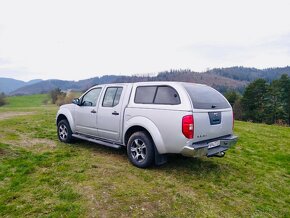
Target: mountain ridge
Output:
{"points": [[223, 79], [8, 85]]}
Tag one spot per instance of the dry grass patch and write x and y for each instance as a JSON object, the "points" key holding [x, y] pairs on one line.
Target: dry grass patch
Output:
{"points": [[36, 145], [11, 114]]}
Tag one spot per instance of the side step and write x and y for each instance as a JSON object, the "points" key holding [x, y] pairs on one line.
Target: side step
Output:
{"points": [[94, 140]]}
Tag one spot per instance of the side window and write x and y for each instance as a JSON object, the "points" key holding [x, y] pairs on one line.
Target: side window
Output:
{"points": [[156, 95], [145, 94], [90, 98], [112, 96], [166, 95], [117, 96]]}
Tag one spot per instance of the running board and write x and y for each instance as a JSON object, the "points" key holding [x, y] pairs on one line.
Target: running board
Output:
{"points": [[112, 145]]}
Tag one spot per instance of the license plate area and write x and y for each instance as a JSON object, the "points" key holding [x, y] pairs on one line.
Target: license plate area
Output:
{"points": [[214, 144]]}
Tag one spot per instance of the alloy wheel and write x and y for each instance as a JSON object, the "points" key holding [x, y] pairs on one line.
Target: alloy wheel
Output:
{"points": [[138, 150], [63, 132]]}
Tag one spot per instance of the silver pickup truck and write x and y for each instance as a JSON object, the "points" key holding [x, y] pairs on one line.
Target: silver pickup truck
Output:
{"points": [[151, 119]]}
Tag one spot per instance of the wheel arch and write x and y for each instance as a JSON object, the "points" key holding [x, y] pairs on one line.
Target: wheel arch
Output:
{"points": [[144, 124], [134, 129], [61, 117], [65, 114]]}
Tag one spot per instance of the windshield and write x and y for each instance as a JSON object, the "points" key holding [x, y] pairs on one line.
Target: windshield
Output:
{"points": [[205, 97]]}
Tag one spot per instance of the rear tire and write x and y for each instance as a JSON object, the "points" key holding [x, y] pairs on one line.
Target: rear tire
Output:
{"points": [[64, 131], [140, 150]]}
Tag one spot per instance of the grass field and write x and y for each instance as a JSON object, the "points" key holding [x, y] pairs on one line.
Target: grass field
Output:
{"points": [[40, 176], [26, 101]]}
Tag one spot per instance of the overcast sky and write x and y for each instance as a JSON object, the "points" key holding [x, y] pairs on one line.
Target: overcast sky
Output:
{"points": [[75, 40]]}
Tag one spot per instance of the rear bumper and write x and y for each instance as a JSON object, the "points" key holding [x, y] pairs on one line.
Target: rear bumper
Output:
{"points": [[200, 149]]}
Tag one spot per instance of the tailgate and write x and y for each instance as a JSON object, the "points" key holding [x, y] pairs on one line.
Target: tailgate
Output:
{"points": [[213, 116], [212, 124]]}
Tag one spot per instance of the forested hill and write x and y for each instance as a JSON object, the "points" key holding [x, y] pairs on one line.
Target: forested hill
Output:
{"points": [[223, 79], [219, 82], [251, 74]]}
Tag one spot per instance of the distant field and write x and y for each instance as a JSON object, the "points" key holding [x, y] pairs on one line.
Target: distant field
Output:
{"points": [[26, 101], [39, 176], [29, 101]]}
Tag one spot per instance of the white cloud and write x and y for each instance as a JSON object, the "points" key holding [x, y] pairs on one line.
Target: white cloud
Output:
{"points": [[80, 39], [262, 53]]}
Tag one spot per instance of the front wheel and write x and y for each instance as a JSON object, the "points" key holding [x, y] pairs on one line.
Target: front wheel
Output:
{"points": [[64, 131], [140, 150]]}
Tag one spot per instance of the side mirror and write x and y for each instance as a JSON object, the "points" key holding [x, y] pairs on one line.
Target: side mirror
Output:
{"points": [[76, 101]]}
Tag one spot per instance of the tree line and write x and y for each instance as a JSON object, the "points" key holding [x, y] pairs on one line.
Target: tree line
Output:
{"points": [[263, 102]]}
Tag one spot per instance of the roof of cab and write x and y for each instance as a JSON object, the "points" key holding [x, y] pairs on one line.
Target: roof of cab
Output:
{"points": [[165, 83], [150, 83]]}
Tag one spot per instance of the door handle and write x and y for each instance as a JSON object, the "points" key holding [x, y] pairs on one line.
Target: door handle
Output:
{"points": [[115, 113], [93, 111]]}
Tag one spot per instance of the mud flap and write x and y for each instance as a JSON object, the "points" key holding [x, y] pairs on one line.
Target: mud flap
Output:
{"points": [[160, 159]]}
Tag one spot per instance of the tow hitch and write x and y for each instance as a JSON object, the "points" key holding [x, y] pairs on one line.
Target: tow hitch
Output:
{"points": [[219, 154]]}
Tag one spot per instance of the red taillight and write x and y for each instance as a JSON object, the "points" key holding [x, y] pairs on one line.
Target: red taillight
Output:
{"points": [[188, 126], [233, 120]]}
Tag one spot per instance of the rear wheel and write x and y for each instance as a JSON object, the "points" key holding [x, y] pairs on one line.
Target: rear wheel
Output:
{"points": [[140, 150], [64, 131]]}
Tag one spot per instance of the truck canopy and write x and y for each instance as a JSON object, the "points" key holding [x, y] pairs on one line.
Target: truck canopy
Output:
{"points": [[205, 97]]}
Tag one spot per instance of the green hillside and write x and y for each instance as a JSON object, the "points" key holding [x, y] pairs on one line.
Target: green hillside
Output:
{"points": [[39, 176]]}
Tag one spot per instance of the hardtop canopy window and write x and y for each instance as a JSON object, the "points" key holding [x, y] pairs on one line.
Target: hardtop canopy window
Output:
{"points": [[156, 95], [205, 97]]}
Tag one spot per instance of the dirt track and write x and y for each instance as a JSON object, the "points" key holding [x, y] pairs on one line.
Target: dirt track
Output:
{"points": [[6, 115]]}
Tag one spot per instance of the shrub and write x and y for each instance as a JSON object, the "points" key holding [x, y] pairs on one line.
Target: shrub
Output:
{"points": [[2, 99], [65, 98], [54, 95]]}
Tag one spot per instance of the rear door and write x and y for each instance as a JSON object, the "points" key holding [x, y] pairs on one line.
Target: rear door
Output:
{"points": [[110, 113], [212, 113]]}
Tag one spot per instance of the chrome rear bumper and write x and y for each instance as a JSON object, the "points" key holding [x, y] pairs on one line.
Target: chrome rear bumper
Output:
{"points": [[200, 149]]}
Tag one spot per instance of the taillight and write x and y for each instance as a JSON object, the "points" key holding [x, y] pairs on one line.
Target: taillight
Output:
{"points": [[188, 126], [233, 120]]}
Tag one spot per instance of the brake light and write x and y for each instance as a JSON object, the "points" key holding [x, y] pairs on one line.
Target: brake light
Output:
{"points": [[233, 120], [188, 126]]}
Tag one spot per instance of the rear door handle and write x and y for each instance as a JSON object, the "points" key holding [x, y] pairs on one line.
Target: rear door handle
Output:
{"points": [[93, 111], [115, 113]]}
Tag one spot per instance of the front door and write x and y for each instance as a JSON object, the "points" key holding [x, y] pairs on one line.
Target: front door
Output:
{"points": [[110, 113], [86, 113]]}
